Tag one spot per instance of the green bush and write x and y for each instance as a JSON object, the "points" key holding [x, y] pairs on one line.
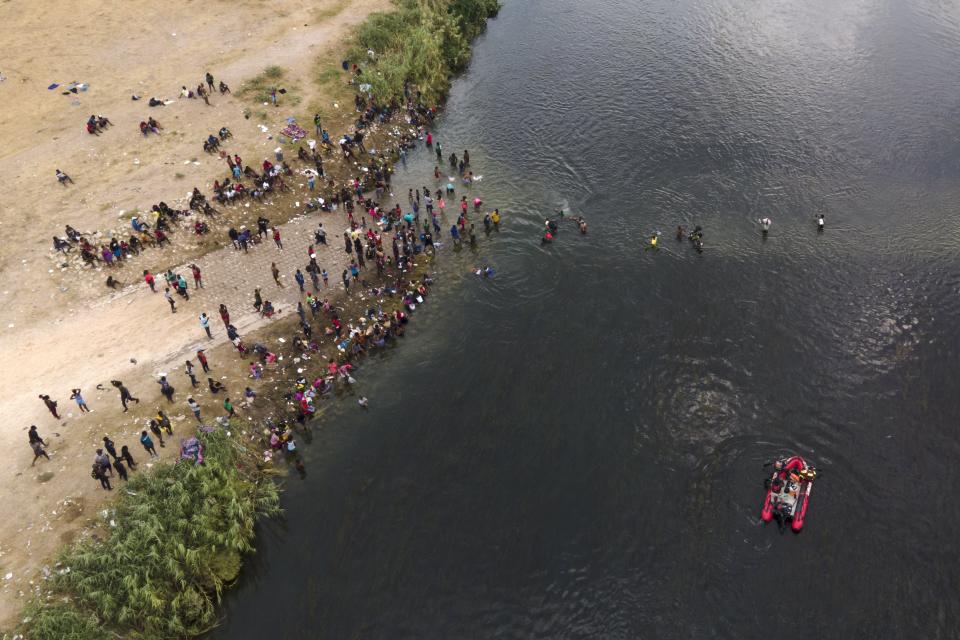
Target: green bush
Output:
{"points": [[177, 536], [61, 620], [423, 42]]}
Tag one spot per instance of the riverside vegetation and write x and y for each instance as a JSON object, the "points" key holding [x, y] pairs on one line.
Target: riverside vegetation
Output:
{"points": [[176, 536], [173, 540], [422, 43]]}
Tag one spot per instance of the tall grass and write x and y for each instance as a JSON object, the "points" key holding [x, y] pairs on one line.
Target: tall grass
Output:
{"points": [[422, 42], [258, 87], [176, 540]]}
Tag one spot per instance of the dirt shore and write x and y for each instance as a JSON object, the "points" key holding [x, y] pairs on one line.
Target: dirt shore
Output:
{"points": [[60, 327]]}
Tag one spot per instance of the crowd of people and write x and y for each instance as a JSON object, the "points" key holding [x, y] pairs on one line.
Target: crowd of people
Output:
{"points": [[379, 238]]}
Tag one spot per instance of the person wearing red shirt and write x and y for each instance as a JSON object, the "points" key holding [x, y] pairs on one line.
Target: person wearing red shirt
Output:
{"points": [[148, 278]]}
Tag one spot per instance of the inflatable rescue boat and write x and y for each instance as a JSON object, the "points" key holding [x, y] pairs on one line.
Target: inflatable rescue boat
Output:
{"points": [[788, 492]]}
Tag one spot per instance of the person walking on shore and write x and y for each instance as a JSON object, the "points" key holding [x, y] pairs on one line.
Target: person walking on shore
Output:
{"points": [[125, 395], [147, 443], [166, 388], [202, 357], [276, 238], [205, 324], [110, 446], [155, 428], [38, 450], [195, 408], [121, 470], [164, 421], [228, 407], [148, 278], [81, 403], [51, 405], [125, 455], [37, 444], [169, 298], [189, 371], [103, 461], [276, 273], [224, 315], [298, 276], [316, 123], [34, 435], [197, 277], [98, 474]]}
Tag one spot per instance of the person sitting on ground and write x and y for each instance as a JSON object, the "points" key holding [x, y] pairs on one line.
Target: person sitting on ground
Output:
{"points": [[103, 122], [92, 129], [144, 129], [63, 178], [223, 87], [154, 125], [225, 133], [155, 103], [215, 386]]}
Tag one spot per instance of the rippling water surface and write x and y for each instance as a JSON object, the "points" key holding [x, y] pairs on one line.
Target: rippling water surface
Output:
{"points": [[573, 449]]}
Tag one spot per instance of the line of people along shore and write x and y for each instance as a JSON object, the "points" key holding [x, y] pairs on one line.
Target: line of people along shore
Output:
{"points": [[375, 330]]}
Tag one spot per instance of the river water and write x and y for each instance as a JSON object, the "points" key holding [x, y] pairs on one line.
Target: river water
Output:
{"points": [[574, 448]]}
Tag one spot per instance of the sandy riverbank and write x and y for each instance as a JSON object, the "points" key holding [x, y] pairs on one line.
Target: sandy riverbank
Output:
{"points": [[63, 329]]}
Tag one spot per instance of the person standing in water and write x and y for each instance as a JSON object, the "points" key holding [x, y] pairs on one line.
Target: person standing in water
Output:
{"points": [[820, 222], [765, 224]]}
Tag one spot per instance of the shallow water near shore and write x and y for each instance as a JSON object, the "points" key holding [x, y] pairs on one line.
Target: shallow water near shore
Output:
{"points": [[574, 448]]}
